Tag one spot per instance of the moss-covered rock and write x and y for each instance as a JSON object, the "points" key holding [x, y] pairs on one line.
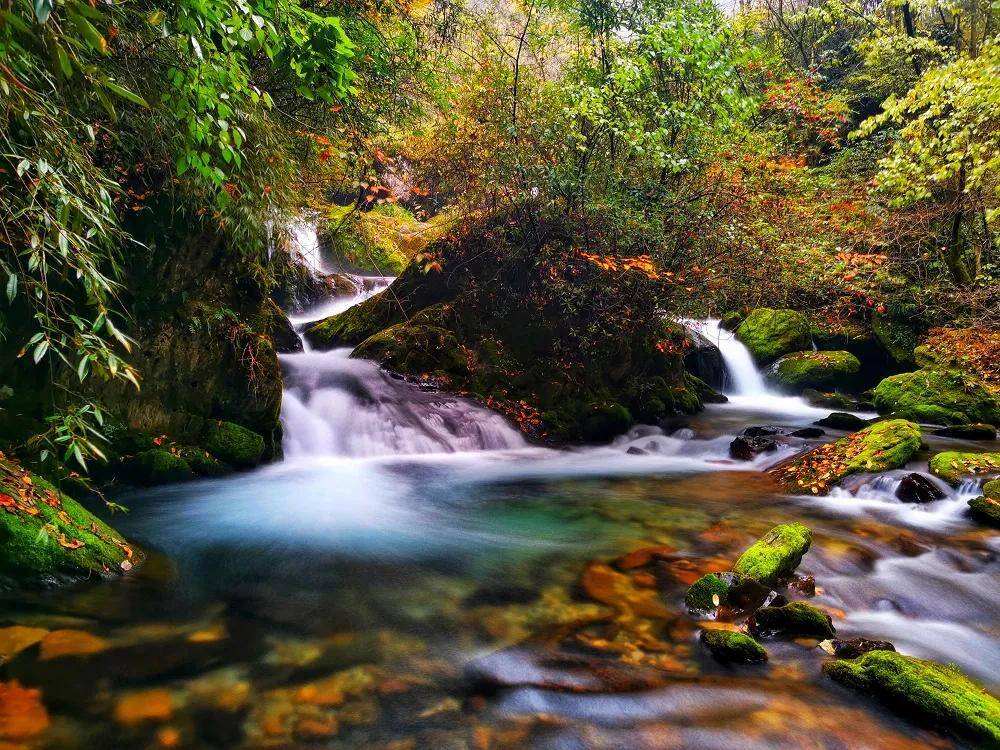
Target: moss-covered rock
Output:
{"points": [[156, 466], [967, 397], [897, 335], [700, 595], [986, 509], [731, 320], [992, 489], [605, 421], [834, 400], [881, 447], [954, 466], [969, 432], [924, 692], [233, 443], [793, 620], [769, 334], [842, 420], [45, 532], [800, 370], [776, 554], [203, 463], [420, 345], [732, 647], [929, 414]]}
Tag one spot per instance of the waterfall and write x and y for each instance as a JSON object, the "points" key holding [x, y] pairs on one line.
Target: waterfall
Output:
{"points": [[744, 378], [306, 243], [337, 406]]}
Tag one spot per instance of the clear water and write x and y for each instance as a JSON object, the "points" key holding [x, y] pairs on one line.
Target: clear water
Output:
{"points": [[411, 577]]}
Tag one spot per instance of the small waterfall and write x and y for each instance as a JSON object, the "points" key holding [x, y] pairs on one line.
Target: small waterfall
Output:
{"points": [[743, 376], [306, 243], [337, 406]]}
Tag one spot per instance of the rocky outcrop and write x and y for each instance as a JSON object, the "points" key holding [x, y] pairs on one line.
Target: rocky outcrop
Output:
{"points": [[793, 620], [45, 533], [952, 395], [823, 369], [954, 466], [769, 334], [703, 359], [881, 447], [924, 692]]}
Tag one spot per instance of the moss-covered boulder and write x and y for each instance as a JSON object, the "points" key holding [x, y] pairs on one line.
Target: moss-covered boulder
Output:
{"points": [[420, 345], [925, 693], [966, 397], [986, 509], [732, 647], [708, 592], [793, 620], [930, 414], [954, 466], [45, 532], [992, 489], [800, 370], [769, 334], [897, 335], [881, 447], [203, 463], [233, 443], [842, 420], [776, 554], [731, 320], [156, 466], [969, 432]]}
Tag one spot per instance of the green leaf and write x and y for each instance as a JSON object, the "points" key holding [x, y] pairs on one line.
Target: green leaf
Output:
{"points": [[11, 287], [64, 64], [124, 93]]}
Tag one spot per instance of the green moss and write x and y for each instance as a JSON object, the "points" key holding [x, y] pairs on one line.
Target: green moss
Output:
{"points": [[794, 620], [992, 489], [203, 463], [801, 370], [930, 414], [233, 443], [953, 391], [896, 336], [954, 466], [731, 647], [419, 346], [986, 509], [605, 421], [40, 535], [156, 466], [768, 333], [354, 325], [926, 693], [969, 432], [731, 320], [776, 554], [883, 446], [699, 595]]}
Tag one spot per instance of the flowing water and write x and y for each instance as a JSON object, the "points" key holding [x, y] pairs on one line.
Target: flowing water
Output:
{"points": [[415, 575]]}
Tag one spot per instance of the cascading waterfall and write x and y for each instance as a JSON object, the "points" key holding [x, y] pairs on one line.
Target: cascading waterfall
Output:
{"points": [[337, 406], [743, 377]]}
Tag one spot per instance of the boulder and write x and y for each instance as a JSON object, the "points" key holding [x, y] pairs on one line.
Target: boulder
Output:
{"points": [[808, 433], [800, 370], [233, 443], [834, 400], [747, 448], [929, 414], [954, 466], [45, 532], [969, 432], [842, 420], [916, 488], [762, 430], [732, 647], [703, 359], [769, 334], [731, 320], [776, 554], [794, 620], [156, 466], [897, 336], [961, 398], [924, 692], [881, 447], [701, 594], [986, 509], [854, 647]]}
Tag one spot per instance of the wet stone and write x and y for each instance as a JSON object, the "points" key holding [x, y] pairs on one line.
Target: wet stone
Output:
{"points": [[809, 433], [841, 420], [733, 647], [746, 448], [849, 649], [969, 432], [765, 430], [794, 620], [916, 488]]}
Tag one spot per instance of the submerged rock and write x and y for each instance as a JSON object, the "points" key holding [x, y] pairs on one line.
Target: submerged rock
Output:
{"points": [[733, 647], [747, 448], [233, 443], [842, 420], [769, 334], [800, 370], [916, 488], [793, 620], [924, 692], [956, 396], [44, 532], [954, 466], [854, 647], [776, 554], [836, 400], [881, 447], [969, 432]]}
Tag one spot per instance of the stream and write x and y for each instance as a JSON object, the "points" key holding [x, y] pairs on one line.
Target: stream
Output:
{"points": [[400, 579]]}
